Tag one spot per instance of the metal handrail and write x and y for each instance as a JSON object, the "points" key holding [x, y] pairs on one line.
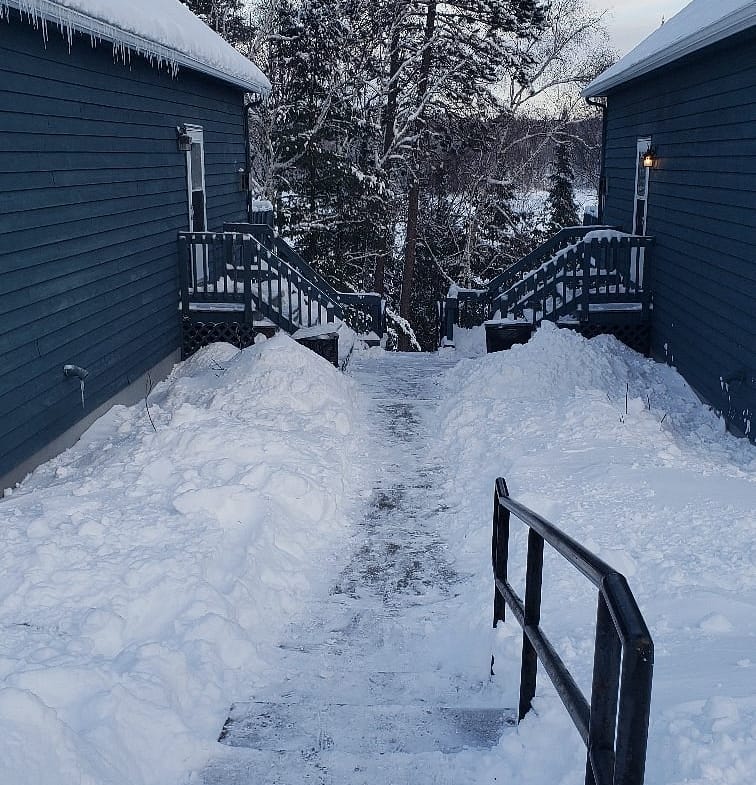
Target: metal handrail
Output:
{"points": [[614, 725], [253, 254]]}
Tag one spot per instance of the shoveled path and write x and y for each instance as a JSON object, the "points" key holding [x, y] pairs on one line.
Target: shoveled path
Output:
{"points": [[360, 698]]}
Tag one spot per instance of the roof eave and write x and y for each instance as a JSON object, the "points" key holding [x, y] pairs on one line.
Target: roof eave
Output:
{"points": [[98, 29], [733, 24]]}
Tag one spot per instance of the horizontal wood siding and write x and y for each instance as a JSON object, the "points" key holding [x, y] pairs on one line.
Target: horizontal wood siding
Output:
{"points": [[701, 115], [92, 194]]}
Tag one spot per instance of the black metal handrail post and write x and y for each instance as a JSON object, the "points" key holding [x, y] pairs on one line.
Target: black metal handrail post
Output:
{"points": [[614, 727], [500, 550], [532, 619]]}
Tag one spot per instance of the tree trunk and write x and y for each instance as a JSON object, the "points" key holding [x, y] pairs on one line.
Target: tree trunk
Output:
{"points": [[389, 122], [413, 202]]}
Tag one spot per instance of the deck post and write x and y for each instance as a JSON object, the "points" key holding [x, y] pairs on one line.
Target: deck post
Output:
{"points": [[451, 317], [184, 264], [378, 316], [585, 286]]}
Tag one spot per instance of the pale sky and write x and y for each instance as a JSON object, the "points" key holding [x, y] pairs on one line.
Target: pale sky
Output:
{"points": [[630, 21]]}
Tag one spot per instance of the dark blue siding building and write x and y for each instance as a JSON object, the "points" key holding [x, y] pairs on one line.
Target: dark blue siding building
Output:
{"points": [[687, 97], [93, 190]]}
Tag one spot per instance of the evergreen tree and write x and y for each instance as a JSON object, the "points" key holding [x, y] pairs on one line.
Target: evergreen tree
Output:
{"points": [[322, 142], [229, 18], [561, 199]]}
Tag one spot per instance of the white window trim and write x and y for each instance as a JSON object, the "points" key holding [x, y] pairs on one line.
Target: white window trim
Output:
{"points": [[197, 135], [643, 143]]}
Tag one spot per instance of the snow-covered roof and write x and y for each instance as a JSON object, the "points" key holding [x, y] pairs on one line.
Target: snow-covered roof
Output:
{"points": [[164, 31], [699, 24]]}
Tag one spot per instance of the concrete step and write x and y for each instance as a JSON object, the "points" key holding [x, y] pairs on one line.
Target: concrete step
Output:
{"points": [[370, 729], [324, 767], [383, 688]]}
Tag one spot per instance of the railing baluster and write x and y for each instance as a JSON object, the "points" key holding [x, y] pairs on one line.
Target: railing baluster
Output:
{"points": [[291, 305], [248, 252], [259, 274], [227, 265], [206, 264], [279, 295], [500, 552], [585, 283], [269, 279], [299, 300]]}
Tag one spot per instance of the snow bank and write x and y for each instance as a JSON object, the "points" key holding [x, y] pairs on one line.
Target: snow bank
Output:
{"points": [[618, 451], [146, 574], [162, 30], [470, 342]]}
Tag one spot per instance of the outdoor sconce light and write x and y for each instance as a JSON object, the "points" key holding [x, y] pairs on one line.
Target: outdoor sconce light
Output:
{"points": [[183, 139], [649, 157]]}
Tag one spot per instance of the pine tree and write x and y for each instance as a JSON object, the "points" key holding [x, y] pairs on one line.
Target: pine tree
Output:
{"points": [[229, 18], [327, 194], [561, 199]]}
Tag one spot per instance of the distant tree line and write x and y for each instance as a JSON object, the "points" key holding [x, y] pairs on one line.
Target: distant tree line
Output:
{"points": [[405, 141]]}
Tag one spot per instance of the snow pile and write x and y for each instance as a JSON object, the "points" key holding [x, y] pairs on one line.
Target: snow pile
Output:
{"points": [[470, 342], [617, 451], [146, 574], [162, 30]]}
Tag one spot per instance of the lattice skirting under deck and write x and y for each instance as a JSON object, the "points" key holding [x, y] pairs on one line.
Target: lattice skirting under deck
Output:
{"points": [[636, 336], [195, 335]]}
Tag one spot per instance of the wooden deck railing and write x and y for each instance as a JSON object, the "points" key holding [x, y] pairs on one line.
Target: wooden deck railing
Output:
{"points": [[588, 275], [568, 275], [245, 270]]}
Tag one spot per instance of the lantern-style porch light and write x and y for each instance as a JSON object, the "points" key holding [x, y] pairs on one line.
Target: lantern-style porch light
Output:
{"points": [[649, 157], [183, 139]]}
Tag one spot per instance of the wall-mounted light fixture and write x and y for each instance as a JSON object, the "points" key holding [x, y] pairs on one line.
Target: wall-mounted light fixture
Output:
{"points": [[649, 157], [183, 139]]}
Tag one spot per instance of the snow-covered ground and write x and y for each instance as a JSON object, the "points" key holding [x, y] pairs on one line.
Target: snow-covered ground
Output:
{"points": [[663, 494], [144, 575], [148, 579], [536, 202]]}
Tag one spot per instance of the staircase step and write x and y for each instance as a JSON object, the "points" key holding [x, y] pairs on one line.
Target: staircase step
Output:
{"points": [[323, 767], [357, 688], [374, 729]]}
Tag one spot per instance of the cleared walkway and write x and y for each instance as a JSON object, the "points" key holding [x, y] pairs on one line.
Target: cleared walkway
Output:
{"points": [[358, 701]]}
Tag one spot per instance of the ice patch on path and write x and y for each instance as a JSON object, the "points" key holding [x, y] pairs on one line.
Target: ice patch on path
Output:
{"points": [[618, 451], [145, 575]]}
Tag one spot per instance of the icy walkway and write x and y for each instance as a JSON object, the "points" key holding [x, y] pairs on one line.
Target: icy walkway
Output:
{"points": [[362, 695]]}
